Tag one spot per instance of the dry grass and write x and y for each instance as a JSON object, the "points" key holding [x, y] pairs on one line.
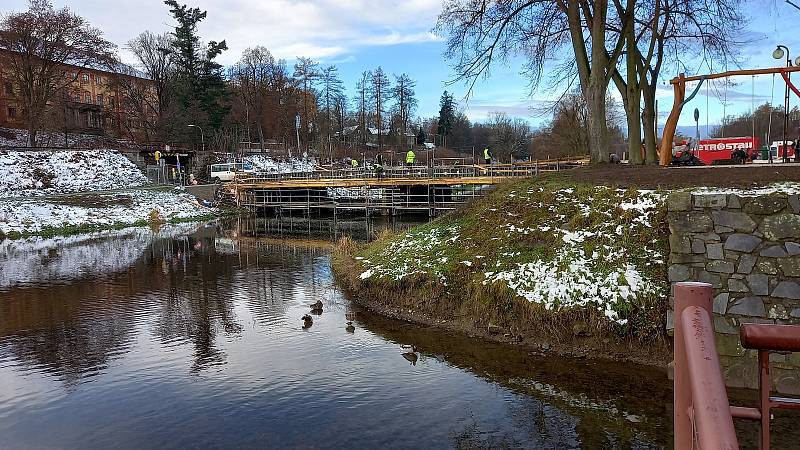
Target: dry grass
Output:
{"points": [[453, 293]]}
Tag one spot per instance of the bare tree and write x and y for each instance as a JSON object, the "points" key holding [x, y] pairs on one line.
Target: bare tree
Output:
{"points": [[379, 91], [362, 100], [306, 72], [331, 89], [138, 102], [481, 32], [250, 79], [41, 43], [403, 93], [156, 60]]}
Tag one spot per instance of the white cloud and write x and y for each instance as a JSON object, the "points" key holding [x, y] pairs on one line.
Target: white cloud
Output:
{"points": [[289, 28]]}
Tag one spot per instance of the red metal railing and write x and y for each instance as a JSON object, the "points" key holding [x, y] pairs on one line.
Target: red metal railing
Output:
{"points": [[703, 418]]}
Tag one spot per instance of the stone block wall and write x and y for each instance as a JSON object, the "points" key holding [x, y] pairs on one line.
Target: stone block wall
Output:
{"points": [[748, 248]]}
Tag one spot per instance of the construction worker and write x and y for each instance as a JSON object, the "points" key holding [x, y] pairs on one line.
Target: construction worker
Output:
{"points": [[378, 165], [487, 155], [410, 156], [354, 163]]}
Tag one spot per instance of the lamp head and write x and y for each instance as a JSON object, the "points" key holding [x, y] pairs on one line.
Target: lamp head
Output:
{"points": [[797, 61], [191, 125], [777, 53]]}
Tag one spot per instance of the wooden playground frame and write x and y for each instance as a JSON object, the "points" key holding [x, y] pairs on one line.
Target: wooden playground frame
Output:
{"points": [[679, 88]]}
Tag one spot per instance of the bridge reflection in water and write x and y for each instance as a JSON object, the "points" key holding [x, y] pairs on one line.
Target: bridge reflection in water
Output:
{"points": [[394, 190]]}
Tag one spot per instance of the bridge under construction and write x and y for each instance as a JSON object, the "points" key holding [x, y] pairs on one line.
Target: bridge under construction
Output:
{"points": [[394, 190]]}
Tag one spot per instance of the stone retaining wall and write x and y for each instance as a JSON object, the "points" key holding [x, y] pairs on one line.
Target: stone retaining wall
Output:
{"points": [[748, 248]]}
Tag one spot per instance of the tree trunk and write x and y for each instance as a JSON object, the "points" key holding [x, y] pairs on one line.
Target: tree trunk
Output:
{"points": [[649, 124], [32, 135], [634, 97], [598, 128]]}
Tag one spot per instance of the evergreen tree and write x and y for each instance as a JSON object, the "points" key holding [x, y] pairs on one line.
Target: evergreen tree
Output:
{"points": [[447, 116], [199, 86]]}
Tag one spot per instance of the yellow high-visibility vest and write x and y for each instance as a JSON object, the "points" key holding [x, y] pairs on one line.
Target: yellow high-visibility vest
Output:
{"points": [[410, 157], [486, 154], [157, 154], [354, 162]]}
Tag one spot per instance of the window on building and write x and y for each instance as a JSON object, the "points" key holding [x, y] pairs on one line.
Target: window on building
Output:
{"points": [[87, 97], [98, 79], [12, 112], [9, 87], [86, 77], [100, 99], [113, 102]]}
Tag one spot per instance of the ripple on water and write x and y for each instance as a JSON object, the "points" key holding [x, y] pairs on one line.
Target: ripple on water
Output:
{"points": [[190, 345]]}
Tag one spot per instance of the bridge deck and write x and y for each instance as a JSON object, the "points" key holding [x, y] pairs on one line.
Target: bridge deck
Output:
{"points": [[395, 189], [367, 181], [451, 175]]}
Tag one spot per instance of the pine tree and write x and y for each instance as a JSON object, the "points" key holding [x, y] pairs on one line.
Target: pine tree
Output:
{"points": [[199, 84], [447, 116]]}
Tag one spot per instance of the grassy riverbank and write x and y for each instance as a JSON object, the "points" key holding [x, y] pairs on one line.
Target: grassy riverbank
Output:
{"points": [[84, 212], [553, 263]]}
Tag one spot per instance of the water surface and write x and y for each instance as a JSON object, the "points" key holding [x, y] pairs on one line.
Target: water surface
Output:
{"points": [[191, 337]]}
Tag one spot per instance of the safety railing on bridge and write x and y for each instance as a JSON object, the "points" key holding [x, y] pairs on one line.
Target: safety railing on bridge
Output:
{"points": [[520, 169], [703, 418]]}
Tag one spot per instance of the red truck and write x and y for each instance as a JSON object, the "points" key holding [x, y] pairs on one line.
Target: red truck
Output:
{"points": [[721, 150]]}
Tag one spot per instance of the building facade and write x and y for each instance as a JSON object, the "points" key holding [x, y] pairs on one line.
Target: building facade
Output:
{"points": [[92, 101]]}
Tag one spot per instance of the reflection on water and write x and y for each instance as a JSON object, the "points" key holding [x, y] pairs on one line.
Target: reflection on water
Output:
{"points": [[192, 337]]}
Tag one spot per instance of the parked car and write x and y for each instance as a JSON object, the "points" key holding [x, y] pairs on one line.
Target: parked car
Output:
{"points": [[227, 171]]}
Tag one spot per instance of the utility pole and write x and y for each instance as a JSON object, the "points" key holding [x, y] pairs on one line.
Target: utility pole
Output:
{"points": [[297, 132]]}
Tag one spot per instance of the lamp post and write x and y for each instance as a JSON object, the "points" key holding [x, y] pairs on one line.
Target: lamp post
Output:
{"points": [[778, 54], [202, 138]]}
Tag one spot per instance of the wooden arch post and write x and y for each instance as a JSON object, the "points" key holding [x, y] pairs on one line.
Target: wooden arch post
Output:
{"points": [[679, 89]]}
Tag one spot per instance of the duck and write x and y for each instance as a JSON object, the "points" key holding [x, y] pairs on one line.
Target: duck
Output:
{"points": [[316, 305], [350, 328], [307, 321], [411, 357], [350, 316], [409, 348]]}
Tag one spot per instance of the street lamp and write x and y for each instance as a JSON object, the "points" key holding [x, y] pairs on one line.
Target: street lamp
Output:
{"points": [[202, 138], [778, 53]]}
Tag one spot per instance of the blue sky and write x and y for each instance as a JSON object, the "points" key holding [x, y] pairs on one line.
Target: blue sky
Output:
{"points": [[358, 35]]}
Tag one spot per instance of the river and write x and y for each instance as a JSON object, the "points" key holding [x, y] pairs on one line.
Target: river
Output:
{"points": [[191, 337]]}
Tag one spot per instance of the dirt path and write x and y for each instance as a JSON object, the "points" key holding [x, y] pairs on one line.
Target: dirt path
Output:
{"points": [[749, 175]]}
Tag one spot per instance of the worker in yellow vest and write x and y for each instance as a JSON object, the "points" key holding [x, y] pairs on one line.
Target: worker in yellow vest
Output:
{"points": [[354, 163], [487, 155], [410, 156]]}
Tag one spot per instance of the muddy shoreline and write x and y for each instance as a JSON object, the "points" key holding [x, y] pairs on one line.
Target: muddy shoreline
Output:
{"points": [[574, 337]]}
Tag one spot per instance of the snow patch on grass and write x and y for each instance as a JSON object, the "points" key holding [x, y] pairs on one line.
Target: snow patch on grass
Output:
{"points": [[97, 209], [577, 247], [27, 173], [264, 163]]}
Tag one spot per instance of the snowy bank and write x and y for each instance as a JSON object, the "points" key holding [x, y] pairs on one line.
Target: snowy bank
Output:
{"points": [[38, 173], [97, 210], [263, 163], [34, 260], [567, 247]]}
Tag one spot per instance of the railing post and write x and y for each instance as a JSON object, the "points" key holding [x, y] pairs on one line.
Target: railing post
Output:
{"points": [[686, 294]]}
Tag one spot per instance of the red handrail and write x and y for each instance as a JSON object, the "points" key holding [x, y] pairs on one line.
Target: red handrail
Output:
{"points": [[703, 418], [702, 415]]}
